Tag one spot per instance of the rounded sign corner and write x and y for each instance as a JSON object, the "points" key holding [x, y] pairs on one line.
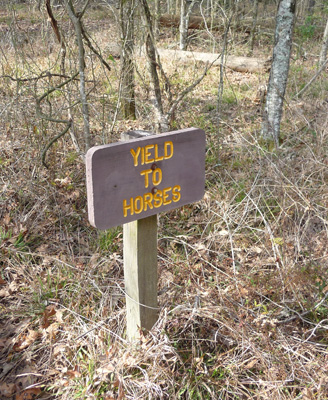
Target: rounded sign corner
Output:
{"points": [[89, 154]]}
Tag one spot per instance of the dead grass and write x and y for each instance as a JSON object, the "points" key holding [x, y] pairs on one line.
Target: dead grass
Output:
{"points": [[242, 274]]}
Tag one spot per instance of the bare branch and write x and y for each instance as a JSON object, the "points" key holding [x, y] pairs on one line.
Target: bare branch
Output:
{"points": [[188, 89], [56, 88], [80, 14], [76, 20], [323, 66], [93, 49], [43, 75], [47, 118], [44, 152]]}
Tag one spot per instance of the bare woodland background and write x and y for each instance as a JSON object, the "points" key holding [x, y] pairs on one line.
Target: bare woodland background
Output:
{"points": [[242, 274]]}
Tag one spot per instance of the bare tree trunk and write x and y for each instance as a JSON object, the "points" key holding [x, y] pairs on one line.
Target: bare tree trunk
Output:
{"points": [[157, 99], [157, 17], [279, 71], [183, 26], [61, 41], [176, 6], [168, 9], [220, 88], [252, 38], [76, 20], [324, 47], [161, 119], [185, 12], [127, 65], [208, 10]]}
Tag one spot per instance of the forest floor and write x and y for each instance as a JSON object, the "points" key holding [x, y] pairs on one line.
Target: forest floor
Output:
{"points": [[243, 274]]}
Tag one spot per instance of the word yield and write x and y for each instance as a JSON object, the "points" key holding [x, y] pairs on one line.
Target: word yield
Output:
{"points": [[152, 177]]}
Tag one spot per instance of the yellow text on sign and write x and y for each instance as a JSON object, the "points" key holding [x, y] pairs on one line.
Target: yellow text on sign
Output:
{"points": [[150, 154], [156, 176], [149, 200]]}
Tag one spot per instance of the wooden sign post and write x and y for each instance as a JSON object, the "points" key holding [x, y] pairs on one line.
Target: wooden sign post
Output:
{"points": [[140, 268], [129, 183]]}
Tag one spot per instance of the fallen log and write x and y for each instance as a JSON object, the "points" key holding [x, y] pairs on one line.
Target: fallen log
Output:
{"points": [[236, 63]]}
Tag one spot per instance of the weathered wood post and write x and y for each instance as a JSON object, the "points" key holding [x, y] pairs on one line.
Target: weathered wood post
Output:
{"points": [[140, 267], [129, 183]]}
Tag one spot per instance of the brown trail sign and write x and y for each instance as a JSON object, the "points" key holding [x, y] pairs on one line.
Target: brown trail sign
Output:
{"points": [[130, 183], [145, 176]]}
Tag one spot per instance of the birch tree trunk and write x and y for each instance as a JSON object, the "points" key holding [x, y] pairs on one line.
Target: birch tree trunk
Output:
{"points": [[279, 71], [183, 26], [324, 48], [127, 66]]}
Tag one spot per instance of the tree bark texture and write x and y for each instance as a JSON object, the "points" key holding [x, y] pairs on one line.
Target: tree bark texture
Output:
{"points": [[279, 71], [127, 66]]}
